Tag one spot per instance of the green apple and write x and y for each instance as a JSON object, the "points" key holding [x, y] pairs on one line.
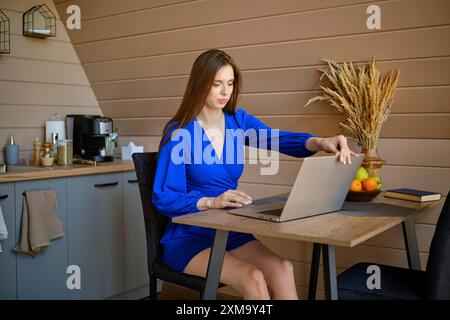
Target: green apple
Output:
{"points": [[378, 188], [361, 174]]}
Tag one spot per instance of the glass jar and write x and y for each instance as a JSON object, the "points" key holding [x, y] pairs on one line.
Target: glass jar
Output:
{"points": [[54, 144], [65, 152], [47, 155], [109, 145], [372, 162]]}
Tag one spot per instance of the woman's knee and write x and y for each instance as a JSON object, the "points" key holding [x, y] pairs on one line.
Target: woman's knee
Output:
{"points": [[255, 276], [281, 268], [254, 284], [286, 266]]}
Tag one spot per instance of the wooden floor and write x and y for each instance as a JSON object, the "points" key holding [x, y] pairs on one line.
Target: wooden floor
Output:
{"points": [[172, 291]]}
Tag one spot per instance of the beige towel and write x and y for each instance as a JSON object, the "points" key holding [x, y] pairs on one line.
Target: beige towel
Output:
{"points": [[40, 222]]}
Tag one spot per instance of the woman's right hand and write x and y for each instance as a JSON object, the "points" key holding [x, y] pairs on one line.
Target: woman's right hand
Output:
{"points": [[230, 198]]}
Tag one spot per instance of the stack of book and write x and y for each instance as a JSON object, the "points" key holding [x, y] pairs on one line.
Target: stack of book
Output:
{"points": [[412, 194]]}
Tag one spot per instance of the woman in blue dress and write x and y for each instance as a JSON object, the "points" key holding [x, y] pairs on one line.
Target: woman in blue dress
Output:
{"points": [[199, 166]]}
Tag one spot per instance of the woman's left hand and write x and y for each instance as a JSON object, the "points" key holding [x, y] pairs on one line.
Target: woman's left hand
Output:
{"points": [[338, 146]]}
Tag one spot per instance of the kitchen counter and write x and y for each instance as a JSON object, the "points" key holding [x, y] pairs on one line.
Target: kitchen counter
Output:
{"points": [[69, 171], [101, 209]]}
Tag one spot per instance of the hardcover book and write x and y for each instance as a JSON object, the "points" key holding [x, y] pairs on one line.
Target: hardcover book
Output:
{"points": [[412, 194]]}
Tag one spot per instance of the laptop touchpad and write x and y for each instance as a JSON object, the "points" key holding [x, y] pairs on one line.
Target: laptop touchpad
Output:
{"points": [[269, 200]]}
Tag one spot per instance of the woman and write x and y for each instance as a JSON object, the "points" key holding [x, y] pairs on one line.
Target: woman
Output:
{"points": [[183, 187]]}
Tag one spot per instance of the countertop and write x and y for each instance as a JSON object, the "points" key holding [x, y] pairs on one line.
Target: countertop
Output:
{"points": [[69, 171]]}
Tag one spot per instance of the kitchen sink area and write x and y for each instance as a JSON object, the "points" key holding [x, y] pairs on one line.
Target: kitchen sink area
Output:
{"points": [[25, 168], [11, 168]]}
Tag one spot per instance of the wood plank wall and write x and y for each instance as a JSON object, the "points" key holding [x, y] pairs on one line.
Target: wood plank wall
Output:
{"points": [[38, 78], [138, 54]]}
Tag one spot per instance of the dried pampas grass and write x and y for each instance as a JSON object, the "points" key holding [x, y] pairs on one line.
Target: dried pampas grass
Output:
{"points": [[362, 95]]}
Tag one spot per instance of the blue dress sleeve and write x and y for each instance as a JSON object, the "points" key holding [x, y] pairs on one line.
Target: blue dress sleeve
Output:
{"points": [[170, 196], [290, 143]]}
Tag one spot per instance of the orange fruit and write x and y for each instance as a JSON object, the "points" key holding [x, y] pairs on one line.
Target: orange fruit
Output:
{"points": [[356, 186], [370, 184]]}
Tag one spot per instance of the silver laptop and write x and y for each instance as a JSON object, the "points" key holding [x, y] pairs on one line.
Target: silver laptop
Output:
{"points": [[321, 186]]}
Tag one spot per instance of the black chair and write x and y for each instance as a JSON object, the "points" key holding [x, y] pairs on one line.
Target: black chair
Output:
{"points": [[155, 225], [405, 284]]}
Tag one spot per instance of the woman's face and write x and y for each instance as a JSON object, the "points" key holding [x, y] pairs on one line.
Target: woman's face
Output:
{"points": [[221, 89]]}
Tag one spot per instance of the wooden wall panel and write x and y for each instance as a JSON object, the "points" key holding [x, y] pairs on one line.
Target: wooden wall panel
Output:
{"points": [[104, 8], [42, 71], [402, 44], [433, 152], [402, 126], [340, 21], [10, 119], [408, 100], [416, 152], [419, 72], [23, 5], [33, 48], [137, 21], [12, 92]]}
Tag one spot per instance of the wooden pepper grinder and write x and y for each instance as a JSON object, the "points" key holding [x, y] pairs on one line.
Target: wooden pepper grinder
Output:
{"points": [[37, 150]]}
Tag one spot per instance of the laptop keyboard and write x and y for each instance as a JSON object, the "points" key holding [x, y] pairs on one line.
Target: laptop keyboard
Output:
{"points": [[273, 212]]}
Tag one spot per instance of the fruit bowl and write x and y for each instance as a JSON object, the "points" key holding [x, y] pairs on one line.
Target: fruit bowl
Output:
{"points": [[361, 196]]}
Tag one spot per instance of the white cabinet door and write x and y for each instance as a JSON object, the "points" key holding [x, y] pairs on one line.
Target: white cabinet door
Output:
{"points": [[44, 276], [8, 288], [136, 272], [96, 239]]}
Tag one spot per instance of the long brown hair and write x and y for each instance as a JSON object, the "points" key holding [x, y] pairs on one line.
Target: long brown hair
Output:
{"points": [[202, 76]]}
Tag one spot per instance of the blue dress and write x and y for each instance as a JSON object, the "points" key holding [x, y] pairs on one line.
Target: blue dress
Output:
{"points": [[180, 184]]}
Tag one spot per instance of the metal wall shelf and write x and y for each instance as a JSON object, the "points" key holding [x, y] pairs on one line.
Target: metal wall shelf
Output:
{"points": [[39, 21], [4, 33]]}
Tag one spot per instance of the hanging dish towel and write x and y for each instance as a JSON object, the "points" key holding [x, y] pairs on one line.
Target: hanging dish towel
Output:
{"points": [[3, 230], [40, 222]]}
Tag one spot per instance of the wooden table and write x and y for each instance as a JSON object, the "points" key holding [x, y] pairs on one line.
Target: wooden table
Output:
{"points": [[354, 224]]}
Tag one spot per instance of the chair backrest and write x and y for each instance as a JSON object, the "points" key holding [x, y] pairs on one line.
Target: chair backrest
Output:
{"points": [[438, 266], [155, 223]]}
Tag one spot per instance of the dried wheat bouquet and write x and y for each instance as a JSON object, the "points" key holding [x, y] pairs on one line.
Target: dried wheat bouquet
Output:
{"points": [[362, 95]]}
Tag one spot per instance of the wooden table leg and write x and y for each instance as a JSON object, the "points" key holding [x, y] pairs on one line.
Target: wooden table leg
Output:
{"points": [[329, 272], [412, 247], [314, 271], [215, 265]]}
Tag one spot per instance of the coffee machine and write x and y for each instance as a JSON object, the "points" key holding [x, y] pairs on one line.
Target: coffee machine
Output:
{"points": [[93, 137]]}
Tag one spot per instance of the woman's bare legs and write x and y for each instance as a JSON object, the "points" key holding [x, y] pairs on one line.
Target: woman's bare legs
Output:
{"points": [[241, 275], [278, 272]]}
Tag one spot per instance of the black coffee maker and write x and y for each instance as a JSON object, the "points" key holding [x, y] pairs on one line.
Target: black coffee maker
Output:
{"points": [[92, 136]]}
